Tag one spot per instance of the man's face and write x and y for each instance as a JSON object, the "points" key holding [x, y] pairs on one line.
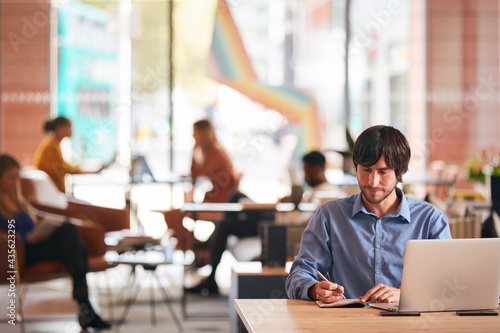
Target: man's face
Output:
{"points": [[311, 174], [307, 173], [376, 182]]}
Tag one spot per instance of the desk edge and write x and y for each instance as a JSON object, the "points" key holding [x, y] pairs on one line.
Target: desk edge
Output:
{"points": [[242, 317]]}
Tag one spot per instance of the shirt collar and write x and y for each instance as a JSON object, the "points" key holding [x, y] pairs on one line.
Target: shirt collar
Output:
{"points": [[403, 209]]}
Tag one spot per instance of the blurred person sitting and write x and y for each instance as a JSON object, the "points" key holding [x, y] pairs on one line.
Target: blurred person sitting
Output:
{"points": [[314, 165], [64, 244], [48, 156], [211, 160], [246, 224]]}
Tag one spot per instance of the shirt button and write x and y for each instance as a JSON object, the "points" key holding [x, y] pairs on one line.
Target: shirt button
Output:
{"points": [[377, 272], [377, 246]]}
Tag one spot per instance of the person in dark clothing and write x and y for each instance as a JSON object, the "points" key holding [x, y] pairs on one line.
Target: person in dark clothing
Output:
{"points": [[63, 245], [240, 224]]}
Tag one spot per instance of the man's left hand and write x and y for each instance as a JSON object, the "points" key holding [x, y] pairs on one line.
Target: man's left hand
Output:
{"points": [[381, 294]]}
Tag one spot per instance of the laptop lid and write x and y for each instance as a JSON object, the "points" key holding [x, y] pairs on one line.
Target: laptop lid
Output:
{"points": [[450, 275]]}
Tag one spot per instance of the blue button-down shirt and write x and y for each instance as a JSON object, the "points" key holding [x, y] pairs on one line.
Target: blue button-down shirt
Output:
{"points": [[358, 249]]}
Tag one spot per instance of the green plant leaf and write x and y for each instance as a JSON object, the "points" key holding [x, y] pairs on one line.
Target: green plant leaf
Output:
{"points": [[345, 154], [350, 141]]}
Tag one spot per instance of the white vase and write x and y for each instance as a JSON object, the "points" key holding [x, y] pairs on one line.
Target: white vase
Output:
{"points": [[487, 185]]}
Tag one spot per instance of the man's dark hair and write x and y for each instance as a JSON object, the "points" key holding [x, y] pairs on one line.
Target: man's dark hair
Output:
{"points": [[382, 140], [314, 158]]}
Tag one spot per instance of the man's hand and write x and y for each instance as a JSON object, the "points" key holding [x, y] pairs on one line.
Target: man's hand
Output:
{"points": [[327, 292], [381, 294]]}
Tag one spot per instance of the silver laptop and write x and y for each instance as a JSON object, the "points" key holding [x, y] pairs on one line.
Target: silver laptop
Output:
{"points": [[449, 275]]}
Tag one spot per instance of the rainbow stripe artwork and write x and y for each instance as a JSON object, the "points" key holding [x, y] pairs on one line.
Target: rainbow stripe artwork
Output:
{"points": [[229, 64]]}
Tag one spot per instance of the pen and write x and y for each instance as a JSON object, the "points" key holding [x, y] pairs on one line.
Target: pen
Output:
{"points": [[325, 279]]}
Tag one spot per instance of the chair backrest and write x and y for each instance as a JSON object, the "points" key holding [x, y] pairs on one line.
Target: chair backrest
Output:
{"points": [[37, 187], [436, 168], [7, 265], [92, 236], [466, 226], [111, 219], [447, 174]]}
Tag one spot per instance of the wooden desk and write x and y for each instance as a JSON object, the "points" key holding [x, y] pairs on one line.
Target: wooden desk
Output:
{"points": [[284, 315], [238, 207], [252, 280]]}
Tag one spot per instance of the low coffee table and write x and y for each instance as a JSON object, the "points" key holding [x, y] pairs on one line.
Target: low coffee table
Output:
{"points": [[149, 260]]}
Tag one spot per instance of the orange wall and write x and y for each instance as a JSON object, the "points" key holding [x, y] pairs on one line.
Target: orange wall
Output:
{"points": [[24, 69], [462, 78]]}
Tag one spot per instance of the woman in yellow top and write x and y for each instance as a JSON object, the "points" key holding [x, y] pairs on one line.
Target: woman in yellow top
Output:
{"points": [[48, 156]]}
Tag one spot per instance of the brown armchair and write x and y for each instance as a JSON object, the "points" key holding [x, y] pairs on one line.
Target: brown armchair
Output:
{"points": [[92, 222], [41, 192], [93, 238]]}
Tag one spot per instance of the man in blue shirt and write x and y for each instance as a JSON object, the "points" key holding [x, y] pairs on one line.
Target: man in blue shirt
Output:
{"points": [[360, 241]]}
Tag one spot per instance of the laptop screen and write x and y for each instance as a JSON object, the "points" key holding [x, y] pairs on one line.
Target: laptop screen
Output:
{"points": [[450, 275]]}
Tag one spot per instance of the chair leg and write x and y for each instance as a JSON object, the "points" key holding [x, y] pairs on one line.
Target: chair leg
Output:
{"points": [[107, 292], [22, 289], [109, 298], [20, 316]]}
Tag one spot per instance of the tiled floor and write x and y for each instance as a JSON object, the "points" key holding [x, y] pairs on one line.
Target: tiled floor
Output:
{"points": [[48, 306]]}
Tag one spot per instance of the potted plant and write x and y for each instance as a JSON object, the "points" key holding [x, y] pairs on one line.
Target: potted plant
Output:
{"points": [[482, 168], [347, 154]]}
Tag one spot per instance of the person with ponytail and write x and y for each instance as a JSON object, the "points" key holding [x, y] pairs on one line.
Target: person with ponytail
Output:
{"points": [[211, 160], [48, 156], [63, 245]]}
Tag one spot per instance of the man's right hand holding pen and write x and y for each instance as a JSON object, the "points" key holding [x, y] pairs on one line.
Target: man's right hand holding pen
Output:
{"points": [[326, 291]]}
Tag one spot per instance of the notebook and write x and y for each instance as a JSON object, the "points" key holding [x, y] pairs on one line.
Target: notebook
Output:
{"points": [[449, 275], [344, 303]]}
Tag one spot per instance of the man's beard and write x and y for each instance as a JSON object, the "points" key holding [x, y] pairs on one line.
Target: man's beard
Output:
{"points": [[374, 202]]}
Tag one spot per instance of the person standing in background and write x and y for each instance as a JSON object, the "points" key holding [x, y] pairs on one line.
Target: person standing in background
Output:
{"points": [[48, 156]]}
